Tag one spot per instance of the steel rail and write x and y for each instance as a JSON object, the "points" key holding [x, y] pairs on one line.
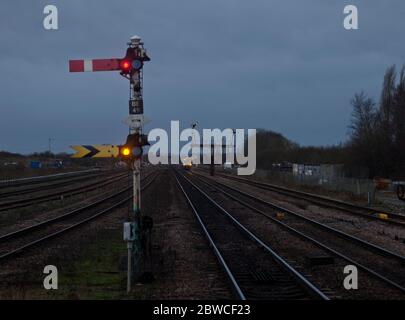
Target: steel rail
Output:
{"points": [[340, 233], [301, 279], [366, 212], [235, 286], [48, 237], [39, 179], [44, 223], [51, 185], [301, 234], [21, 203]]}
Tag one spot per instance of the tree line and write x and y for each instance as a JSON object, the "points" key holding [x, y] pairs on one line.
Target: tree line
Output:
{"points": [[274, 148], [377, 130], [376, 142]]}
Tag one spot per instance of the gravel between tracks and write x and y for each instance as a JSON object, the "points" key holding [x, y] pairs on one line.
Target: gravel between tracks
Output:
{"points": [[91, 261], [387, 236], [184, 265], [300, 252]]}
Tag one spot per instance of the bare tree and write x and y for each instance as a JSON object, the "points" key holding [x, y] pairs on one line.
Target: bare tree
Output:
{"points": [[378, 135], [384, 125], [363, 144], [398, 126]]}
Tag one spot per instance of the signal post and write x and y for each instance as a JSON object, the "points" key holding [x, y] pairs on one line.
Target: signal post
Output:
{"points": [[130, 67]]}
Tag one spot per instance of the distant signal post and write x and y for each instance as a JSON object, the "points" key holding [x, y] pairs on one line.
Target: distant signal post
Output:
{"points": [[130, 67]]}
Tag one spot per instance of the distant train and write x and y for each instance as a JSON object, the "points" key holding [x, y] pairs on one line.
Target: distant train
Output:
{"points": [[187, 163], [187, 166]]}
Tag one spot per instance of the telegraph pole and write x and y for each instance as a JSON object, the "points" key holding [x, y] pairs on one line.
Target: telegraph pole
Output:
{"points": [[50, 145]]}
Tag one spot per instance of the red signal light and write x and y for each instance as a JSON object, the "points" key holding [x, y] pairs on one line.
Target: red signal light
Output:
{"points": [[125, 66]]}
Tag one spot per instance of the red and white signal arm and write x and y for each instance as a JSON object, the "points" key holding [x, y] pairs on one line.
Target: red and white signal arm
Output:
{"points": [[91, 65]]}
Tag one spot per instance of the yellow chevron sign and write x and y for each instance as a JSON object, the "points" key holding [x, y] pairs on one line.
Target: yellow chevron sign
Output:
{"points": [[96, 151]]}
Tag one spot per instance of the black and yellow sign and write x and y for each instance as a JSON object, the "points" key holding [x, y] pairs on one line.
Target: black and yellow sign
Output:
{"points": [[96, 151]]}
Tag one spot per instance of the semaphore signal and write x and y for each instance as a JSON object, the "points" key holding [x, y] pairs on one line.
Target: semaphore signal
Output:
{"points": [[130, 67]]}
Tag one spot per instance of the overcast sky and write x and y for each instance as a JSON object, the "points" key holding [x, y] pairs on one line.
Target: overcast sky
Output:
{"points": [[286, 65]]}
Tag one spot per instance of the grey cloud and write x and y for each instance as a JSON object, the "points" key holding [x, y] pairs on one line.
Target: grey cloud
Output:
{"points": [[283, 65]]}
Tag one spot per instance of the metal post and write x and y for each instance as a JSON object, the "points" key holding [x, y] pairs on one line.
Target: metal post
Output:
{"points": [[234, 147], [212, 167], [137, 187], [137, 254], [50, 145], [136, 123], [129, 275]]}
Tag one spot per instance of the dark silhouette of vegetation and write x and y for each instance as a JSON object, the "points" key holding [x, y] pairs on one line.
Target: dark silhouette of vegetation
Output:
{"points": [[6, 155], [273, 147], [376, 144], [377, 132]]}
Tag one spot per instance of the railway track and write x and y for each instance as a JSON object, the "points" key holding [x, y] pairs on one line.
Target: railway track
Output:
{"points": [[57, 194], [27, 189], [376, 261], [253, 268], [47, 178], [18, 242], [367, 212]]}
